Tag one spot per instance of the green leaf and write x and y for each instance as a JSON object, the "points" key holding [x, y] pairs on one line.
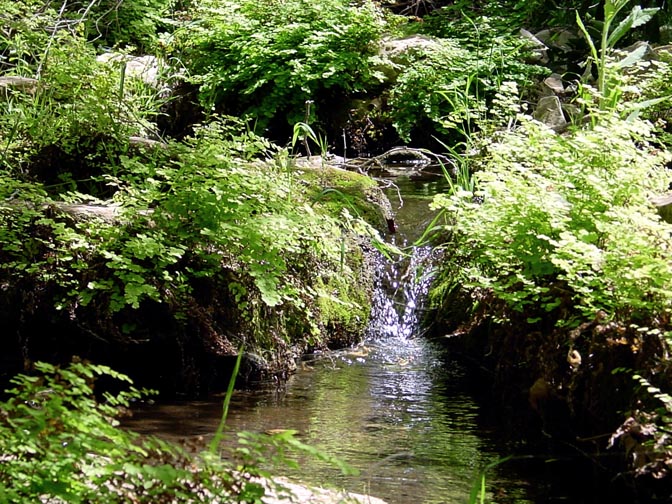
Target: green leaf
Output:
{"points": [[637, 17], [589, 39], [632, 57]]}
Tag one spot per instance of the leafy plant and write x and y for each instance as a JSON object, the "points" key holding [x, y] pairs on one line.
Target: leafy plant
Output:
{"points": [[451, 84], [266, 59], [61, 441], [609, 39], [136, 23], [645, 434], [562, 218]]}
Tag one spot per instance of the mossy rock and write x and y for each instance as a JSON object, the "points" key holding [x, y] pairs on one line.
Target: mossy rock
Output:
{"points": [[334, 188]]}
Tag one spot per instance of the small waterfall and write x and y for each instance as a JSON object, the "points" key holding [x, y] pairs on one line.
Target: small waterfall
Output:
{"points": [[399, 297]]}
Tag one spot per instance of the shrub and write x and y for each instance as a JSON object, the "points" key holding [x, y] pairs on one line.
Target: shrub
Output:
{"points": [[265, 59], [453, 83], [566, 218], [136, 23], [61, 442]]}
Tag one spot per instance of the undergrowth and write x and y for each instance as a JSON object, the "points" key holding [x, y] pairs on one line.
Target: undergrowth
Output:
{"points": [[62, 442]]}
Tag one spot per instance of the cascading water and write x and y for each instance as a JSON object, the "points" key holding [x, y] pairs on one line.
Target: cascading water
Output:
{"points": [[398, 298], [391, 408]]}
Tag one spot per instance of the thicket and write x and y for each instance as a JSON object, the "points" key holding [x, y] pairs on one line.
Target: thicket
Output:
{"points": [[265, 60], [95, 227], [565, 223]]}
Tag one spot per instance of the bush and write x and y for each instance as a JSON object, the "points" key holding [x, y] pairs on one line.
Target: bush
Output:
{"points": [[58, 442], [195, 212], [566, 226], [61, 442], [450, 86], [136, 23], [265, 59]]}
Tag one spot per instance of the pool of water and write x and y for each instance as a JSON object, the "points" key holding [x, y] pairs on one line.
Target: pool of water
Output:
{"points": [[393, 409]]}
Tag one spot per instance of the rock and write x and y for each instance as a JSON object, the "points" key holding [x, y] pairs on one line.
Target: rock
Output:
{"points": [[663, 52], [549, 111], [395, 49], [539, 49], [558, 38], [23, 84], [647, 52], [553, 85], [146, 143], [396, 53], [663, 204], [311, 495], [145, 68]]}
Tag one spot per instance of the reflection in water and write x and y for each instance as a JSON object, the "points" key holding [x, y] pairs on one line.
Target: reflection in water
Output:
{"points": [[396, 414], [391, 408]]}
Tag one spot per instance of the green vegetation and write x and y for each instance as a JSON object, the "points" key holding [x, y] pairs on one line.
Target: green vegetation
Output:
{"points": [[265, 59], [554, 244], [566, 228], [60, 441], [563, 225], [120, 235]]}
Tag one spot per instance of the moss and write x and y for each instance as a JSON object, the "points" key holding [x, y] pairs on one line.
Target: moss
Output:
{"points": [[345, 303], [332, 189]]}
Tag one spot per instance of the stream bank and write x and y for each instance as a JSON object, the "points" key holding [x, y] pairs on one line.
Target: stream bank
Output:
{"points": [[395, 407], [169, 294]]}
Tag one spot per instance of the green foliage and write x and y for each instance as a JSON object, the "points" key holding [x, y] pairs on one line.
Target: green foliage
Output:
{"points": [[60, 441], [609, 38], [81, 113], [453, 82], [510, 15], [266, 59], [25, 35], [645, 434], [478, 494], [196, 210], [136, 23], [565, 219]]}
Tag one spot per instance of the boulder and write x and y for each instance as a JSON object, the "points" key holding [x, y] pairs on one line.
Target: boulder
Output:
{"points": [[293, 492], [539, 49], [549, 111], [145, 68], [397, 53]]}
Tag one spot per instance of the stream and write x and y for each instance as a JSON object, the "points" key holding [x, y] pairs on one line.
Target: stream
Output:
{"points": [[396, 408]]}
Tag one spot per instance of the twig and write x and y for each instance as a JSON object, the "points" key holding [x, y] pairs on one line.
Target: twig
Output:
{"points": [[57, 26]]}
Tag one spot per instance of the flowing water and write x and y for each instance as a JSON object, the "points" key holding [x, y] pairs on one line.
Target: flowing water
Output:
{"points": [[394, 408]]}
